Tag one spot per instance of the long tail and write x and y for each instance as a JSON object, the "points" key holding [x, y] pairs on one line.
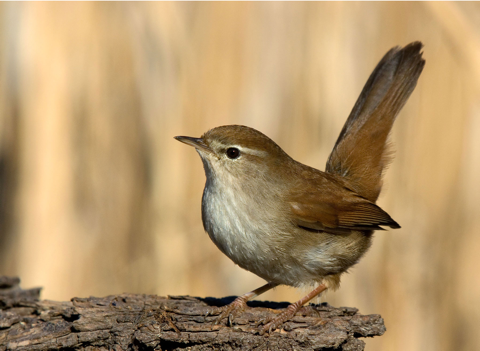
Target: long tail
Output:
{"points": [[361, 151]]}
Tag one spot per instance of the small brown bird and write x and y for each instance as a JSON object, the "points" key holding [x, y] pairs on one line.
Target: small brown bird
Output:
{"points": [[292, 224]]}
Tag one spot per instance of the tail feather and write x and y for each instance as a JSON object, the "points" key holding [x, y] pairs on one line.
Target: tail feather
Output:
{"points": [[361, 151]]}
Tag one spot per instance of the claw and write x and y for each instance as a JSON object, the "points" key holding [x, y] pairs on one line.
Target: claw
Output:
{"points": [[213, 312], [309, 311], [279, 320], [260, 321], [229, 311]]}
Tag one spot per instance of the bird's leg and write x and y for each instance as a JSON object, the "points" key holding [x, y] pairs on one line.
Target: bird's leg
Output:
{"points": [[290, 311], [238, 305]]}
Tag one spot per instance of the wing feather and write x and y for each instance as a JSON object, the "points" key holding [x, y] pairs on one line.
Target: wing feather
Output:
{"points": [[338, 212]]}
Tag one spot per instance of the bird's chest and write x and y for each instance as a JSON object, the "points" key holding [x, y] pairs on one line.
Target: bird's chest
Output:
{"points": [[236, 226]]}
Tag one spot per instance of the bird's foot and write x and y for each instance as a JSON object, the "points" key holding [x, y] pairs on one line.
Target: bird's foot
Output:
{"points": [[230, 311], [234, 308], [278, 321]]}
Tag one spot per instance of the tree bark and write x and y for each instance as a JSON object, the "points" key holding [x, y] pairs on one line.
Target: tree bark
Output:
{"points": [[149, 322]]}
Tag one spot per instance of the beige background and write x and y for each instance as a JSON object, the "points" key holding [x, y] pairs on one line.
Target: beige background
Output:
{"points": [[97, 198]]}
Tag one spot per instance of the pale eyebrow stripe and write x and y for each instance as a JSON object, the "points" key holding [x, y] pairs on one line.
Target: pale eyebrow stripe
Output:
{"points": [[252, 151]]}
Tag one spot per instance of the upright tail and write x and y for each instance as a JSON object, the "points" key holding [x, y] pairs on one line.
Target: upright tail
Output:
{"points": [[361, 151]]}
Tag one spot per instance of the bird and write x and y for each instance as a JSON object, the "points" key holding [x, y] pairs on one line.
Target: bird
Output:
{"points": [[292, 224]]}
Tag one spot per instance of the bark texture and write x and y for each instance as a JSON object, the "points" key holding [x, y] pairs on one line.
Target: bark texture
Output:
{"points": [[149, 322]]}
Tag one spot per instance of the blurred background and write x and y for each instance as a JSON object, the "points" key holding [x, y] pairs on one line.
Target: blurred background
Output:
{"points": [[97, 198]]}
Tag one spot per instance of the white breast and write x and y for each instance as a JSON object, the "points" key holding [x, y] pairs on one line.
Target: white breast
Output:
{"points": [[226, 219]]}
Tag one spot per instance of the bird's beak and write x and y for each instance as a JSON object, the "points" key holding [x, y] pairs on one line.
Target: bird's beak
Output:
{"points": [[197, 143]]}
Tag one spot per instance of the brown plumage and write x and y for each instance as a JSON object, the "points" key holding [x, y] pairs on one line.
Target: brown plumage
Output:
{"points": [[361, 151], [292, 224]]}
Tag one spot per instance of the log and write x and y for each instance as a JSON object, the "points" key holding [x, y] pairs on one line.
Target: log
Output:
{"points": [[149, 322]]}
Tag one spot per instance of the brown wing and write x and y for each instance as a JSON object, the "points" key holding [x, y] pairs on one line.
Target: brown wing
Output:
{"points": [[335, 209], [361, 151]]}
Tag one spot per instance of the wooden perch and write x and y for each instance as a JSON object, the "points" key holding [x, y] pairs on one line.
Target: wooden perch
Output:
{"points": [[149, 322]]}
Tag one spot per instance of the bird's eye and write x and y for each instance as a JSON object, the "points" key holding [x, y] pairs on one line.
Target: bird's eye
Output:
{"points": [[233, 153]]}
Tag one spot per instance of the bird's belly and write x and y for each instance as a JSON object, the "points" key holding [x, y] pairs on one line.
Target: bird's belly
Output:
{"points": [[332, 254], [290, 255]]}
